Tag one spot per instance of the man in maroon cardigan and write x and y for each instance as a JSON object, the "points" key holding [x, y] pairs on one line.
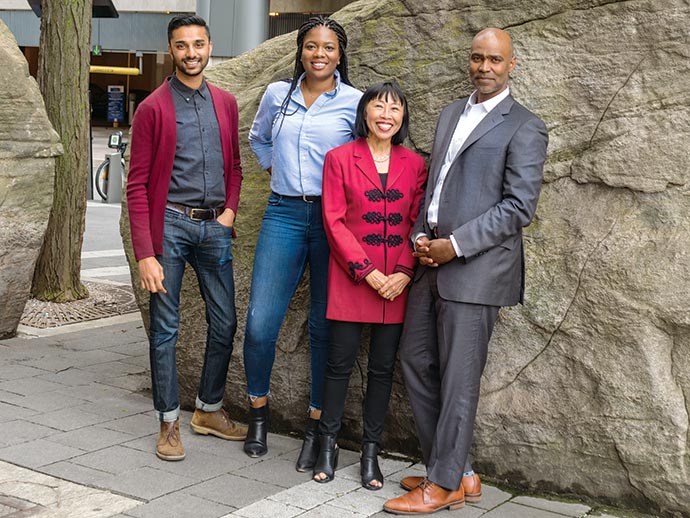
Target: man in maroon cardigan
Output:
{"points": [[182, 194]]}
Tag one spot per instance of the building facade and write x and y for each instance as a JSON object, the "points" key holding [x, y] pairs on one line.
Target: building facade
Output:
{"points": [[137, 36]]}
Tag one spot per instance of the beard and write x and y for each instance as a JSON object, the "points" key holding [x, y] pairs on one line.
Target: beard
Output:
{"points": [[182, 67]]}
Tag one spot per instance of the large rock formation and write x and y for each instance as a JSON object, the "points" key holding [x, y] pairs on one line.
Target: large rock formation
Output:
{"points": [[28, 145], [587, 385]]}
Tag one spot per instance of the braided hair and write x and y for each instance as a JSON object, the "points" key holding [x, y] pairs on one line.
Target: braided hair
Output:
{"points": [[316, 21]]}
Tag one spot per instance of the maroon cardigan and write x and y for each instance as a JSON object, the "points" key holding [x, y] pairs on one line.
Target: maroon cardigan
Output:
{"points": [[154, 141]]}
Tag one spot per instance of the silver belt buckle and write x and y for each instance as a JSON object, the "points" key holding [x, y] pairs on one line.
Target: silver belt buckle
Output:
{"points": [[193, 217]]}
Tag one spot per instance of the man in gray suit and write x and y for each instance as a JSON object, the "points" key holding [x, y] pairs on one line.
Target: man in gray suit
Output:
{"points": [[484, 181]]}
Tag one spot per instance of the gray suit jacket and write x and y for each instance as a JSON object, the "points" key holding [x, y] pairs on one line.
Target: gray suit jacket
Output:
{"points": [[489, 195]]}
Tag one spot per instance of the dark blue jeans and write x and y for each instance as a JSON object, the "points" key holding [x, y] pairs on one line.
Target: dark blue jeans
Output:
{"points": [[291, 236], [207, 247]]}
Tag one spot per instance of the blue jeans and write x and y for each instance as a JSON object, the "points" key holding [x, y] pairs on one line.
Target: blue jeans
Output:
{"points": [[291, 236], [207, 247]]}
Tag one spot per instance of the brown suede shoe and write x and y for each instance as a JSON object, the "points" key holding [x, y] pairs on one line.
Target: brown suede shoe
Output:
{"points": [[218, 423], [169, 445], [427, 497], [471, 485]]}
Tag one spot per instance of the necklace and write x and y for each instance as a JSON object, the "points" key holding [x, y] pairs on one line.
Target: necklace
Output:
{"points": [[379, 159]]}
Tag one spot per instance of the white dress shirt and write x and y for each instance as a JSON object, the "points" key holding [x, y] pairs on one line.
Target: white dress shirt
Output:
{"points": [[473, 114]]}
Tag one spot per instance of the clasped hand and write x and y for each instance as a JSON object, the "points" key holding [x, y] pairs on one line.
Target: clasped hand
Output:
{"points": [[387, 286], [433, 252]]}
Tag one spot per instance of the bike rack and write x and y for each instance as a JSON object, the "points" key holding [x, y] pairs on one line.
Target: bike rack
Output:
{"points": [[114, 194]]}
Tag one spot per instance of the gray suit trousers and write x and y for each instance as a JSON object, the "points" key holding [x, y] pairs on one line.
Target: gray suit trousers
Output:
{"points": [[443, 352]]}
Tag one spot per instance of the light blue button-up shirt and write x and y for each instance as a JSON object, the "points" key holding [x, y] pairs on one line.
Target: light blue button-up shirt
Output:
{"points": [[295, 149]]}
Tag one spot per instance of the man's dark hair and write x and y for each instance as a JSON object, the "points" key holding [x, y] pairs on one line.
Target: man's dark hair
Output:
{"points": [[387, 90], [183, 20]]}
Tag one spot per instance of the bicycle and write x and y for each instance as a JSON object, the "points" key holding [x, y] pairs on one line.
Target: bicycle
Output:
{"points": [[114, 142]]}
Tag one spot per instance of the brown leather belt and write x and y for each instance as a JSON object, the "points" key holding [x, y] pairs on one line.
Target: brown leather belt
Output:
{"points": [[195, 214], [434, 231]]}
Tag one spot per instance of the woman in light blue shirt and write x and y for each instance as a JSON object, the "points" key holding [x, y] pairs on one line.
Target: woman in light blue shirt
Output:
{"points": [[297, 123]]}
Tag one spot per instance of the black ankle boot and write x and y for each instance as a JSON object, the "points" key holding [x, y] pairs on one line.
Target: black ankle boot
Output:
{"points": [[369, 466], [255, 444], [328, 458], [310, 446]]}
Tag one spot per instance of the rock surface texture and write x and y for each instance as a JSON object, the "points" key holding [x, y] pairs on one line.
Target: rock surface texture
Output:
{"points": [[28, 145], [587, 387]]}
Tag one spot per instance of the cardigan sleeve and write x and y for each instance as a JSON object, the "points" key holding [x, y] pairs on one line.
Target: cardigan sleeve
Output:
{"points": [[141, 156], [345, 247], [234, 181]]}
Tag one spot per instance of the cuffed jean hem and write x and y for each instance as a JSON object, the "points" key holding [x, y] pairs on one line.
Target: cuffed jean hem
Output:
{"points": [[168, 416], [205, 407], [253, 397]]}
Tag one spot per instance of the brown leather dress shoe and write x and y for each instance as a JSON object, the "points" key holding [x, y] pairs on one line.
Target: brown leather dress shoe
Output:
{"points": [[427, 497], [471, 485], [169, 445], [218, 423]]}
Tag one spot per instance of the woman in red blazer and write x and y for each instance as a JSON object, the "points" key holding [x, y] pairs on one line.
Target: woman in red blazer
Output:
{"points": [[372, 189]]}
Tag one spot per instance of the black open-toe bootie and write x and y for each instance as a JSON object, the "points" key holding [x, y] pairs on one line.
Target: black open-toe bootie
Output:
{"points": [[327, 461], [369, 466], [255, 445], [310, 447]]}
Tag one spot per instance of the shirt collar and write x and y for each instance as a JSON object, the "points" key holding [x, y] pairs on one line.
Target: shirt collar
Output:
{"points": [[489, 104], [185, 91], [333, 92]]}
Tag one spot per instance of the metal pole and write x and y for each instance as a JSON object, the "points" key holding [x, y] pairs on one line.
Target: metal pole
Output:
{"points": [[114, 194], [89, 185]]}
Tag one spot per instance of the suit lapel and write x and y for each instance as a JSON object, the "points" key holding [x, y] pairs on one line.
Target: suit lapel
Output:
{"points": [[365, 163], [397, 165], [440, 155], [493, 119]]}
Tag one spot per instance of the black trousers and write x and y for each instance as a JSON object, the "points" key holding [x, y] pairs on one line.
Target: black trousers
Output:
{"points": [[342, 353], [442, 354]]}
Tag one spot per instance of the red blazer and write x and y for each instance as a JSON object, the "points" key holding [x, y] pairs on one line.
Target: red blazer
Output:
{"points": [[154, 140], [369, 228]]}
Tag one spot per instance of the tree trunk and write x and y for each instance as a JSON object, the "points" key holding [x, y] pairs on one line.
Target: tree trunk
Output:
{"points": [[63, 77]]}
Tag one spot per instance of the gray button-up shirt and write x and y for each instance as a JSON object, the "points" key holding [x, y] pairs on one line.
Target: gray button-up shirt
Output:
{"points": [[197, 177]]}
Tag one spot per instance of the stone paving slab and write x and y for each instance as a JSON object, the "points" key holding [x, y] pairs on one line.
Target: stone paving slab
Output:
{"points": [[512, 510], [67, 419], [59, 498], [180, 505], [68, 470], [233, 490], [91, 438], [148, 483], [42, 402], [20, 431], [71, 377], [34, 454], [492, 497], [564, 508]]}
